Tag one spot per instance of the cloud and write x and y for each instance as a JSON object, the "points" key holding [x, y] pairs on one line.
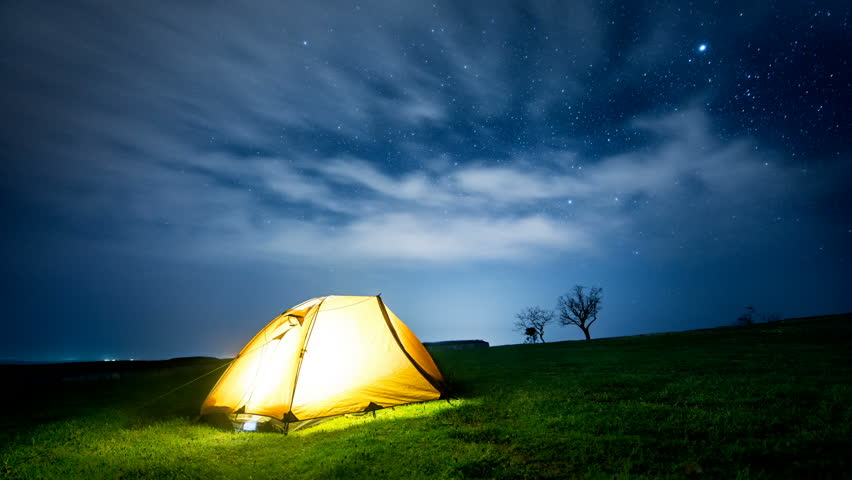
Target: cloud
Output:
{"points": [[416, 187], [686, 153], [214, 206], [406, 236], [510, 185], [253, 133]]}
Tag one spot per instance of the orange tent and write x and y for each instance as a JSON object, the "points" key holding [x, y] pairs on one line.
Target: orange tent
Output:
{"points": [[324, 357]]}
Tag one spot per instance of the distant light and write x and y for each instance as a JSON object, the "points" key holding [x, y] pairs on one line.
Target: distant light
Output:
{"points": [[702, 47], [250, 426]]}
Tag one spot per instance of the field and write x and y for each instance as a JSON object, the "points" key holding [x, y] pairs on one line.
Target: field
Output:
{"points": [[767, 401]]}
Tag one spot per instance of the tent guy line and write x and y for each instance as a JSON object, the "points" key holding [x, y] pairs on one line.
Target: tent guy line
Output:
{"points": [[155, 399]]}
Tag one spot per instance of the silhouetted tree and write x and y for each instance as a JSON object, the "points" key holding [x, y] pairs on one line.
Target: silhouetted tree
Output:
{"points": [[580, 308], [746, 318], [532, 322]]}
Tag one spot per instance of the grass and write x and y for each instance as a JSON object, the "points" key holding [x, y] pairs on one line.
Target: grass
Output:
{"points": [[767, 401]]}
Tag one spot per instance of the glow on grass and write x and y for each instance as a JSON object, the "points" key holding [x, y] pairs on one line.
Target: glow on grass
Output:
{"points": [[400, 412]]}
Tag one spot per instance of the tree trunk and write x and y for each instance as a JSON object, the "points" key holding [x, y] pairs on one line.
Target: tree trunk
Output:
{"points": [[586, 331]]}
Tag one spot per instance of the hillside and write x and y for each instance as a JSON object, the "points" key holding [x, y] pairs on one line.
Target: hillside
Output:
{"points": [[772, 400]]}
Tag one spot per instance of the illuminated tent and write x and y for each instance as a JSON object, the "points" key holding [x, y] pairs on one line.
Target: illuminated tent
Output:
{"points": [[325, 357]]}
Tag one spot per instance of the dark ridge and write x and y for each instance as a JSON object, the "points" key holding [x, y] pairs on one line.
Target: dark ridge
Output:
{"points": [[44, 373], [455, 344]]}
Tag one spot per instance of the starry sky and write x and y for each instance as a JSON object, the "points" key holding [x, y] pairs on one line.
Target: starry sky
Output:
{"points": [[177, 173]]}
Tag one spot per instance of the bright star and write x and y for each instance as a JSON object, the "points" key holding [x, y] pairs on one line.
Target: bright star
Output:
{"points": [[702, 47]]}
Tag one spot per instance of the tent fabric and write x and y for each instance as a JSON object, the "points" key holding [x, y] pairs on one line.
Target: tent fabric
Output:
{"points": [[327, 356]]}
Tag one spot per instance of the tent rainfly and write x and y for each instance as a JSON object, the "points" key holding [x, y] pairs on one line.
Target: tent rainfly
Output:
{"points": [[325, 357]]}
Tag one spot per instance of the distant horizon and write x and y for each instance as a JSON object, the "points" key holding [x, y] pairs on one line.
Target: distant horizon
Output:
{"points": [[13, 361]]}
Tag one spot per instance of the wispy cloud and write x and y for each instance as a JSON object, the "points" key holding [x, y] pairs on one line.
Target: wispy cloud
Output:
{"points": [[269, 138], [344, 208]]}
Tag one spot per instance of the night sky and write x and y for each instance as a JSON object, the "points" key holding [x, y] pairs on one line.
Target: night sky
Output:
{"points": [[177, 173]]}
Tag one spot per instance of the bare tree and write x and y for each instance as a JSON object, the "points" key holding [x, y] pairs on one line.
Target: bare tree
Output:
{"points": [[580, 308], [532, 321]]}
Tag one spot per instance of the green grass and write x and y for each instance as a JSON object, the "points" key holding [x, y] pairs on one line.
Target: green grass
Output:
{"points": [[768, 401]]}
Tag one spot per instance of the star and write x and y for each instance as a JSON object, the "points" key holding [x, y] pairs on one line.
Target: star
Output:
{"points": [[702, 48]]}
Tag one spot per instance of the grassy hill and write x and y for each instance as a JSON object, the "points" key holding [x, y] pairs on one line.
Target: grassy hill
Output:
{"points": [[768, 401]]}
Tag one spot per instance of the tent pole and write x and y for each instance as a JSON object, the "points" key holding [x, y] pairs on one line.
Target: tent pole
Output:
{"points": [[436, 384], [302, 352]]}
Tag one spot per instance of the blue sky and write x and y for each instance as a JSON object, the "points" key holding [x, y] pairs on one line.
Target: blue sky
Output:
{"points": [[176, 174]]}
